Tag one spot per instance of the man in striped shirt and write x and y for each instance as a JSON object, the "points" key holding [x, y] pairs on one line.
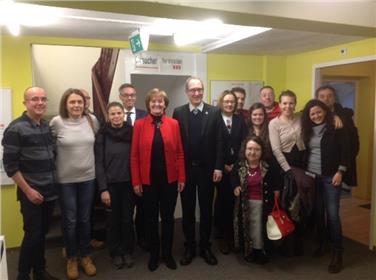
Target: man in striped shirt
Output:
{"points": [[29, 161]]}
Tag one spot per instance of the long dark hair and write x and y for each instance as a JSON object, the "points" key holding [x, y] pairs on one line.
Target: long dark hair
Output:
{"points": [[243, 146], [307, 124], [264, 133]]}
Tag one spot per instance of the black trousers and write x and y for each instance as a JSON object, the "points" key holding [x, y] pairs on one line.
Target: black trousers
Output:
{"points": [[36, 220], [160, 198], [120, 236], [224, 208], [199, 180], [140, 219]]}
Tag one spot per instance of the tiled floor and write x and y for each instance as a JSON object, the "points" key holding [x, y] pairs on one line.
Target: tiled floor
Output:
{"points": [[355, 219]]}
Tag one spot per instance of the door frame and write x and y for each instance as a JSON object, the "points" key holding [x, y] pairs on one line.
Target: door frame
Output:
{"points": [[316, 83]]}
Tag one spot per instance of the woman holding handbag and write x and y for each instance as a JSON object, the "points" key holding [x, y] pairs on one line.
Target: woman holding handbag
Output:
{"points": [[327, 157], [255, 185], [288, 148]]}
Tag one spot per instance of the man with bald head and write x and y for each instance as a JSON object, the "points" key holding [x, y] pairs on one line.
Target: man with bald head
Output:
{"points": [[29, 161]]}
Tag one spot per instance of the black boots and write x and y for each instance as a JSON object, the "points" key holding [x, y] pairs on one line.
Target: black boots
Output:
{"points": [[335, 265]]}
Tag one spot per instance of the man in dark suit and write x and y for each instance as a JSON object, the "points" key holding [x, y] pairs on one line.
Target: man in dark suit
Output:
{"points": [[203, 152], [128, 96]]}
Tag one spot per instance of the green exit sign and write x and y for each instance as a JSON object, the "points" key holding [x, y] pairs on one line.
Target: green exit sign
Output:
{"points": [[136, 43]]}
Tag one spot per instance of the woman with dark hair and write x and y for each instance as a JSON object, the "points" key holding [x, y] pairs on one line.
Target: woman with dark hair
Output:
{"points": [[234, 130], [327, 158], [112, 165], [74, 131], [259, 127], [254, 184], [158, 173]]}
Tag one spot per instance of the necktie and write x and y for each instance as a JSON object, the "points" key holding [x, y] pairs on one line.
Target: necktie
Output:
{"points": [[195, 111], [129, 119], [228, 125]]}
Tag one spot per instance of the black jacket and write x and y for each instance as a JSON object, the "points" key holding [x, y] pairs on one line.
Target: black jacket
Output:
{"points": [[112, 155], [334, 151], [233, 140], [346, 114], [211, 137]]}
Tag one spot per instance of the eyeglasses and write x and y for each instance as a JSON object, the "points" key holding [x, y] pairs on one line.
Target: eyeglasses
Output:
{"points": [[128, 95], [38, 99], [193, 90]]}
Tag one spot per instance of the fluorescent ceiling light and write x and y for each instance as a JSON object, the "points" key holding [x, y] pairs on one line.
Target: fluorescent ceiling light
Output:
{"points": [[15, 14], [240, 34]]}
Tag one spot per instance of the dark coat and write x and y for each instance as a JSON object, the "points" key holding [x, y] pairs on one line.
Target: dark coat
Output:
{"points": [[211, 137], [346, 115], [270, 183], [112, 155], [334, 151], [233, 140], [140, 114]]}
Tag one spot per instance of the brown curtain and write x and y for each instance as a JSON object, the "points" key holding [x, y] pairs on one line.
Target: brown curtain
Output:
{"points": [[102, 75]]}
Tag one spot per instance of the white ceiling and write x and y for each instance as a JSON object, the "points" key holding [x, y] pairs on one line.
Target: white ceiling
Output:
{"points": [[117, 26]]}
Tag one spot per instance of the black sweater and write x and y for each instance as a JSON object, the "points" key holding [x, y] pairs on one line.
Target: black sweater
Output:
{"points": [[112, 154]]}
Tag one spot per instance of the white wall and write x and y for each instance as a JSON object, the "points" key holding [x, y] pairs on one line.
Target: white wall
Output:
{"points": [[57, 68]]}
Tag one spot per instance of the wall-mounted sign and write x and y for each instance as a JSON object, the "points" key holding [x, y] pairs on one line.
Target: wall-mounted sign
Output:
{"points": [[172, 63], [5, 119]]}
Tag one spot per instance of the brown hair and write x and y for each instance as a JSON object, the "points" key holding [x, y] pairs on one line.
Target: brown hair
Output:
{"points": [[222, 96], [126, 85], [154, 93], [239, 89], [288, 93], [63, 112]]}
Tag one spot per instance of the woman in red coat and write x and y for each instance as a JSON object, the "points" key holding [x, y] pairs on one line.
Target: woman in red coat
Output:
{"points": [[158, 173]]}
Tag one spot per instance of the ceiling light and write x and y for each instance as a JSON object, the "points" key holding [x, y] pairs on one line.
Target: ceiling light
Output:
{"points": [[14, 28], [240, 33], [15, 14]]}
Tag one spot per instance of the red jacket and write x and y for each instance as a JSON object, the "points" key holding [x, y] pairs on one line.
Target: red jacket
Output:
{"points": [[143, 134]]}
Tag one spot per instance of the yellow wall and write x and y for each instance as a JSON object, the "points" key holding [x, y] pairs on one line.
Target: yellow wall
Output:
{"points": [[299, 67]]}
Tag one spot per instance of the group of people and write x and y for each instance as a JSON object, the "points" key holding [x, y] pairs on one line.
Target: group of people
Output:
{"points": [[146, 158]]}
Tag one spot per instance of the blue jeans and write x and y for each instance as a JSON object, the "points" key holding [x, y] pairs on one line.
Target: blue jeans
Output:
{"points": [[331, 201], [76, 200]]}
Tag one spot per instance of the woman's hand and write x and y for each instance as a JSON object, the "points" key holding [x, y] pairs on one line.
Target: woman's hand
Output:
{"points": [[106, 199], [237, 191], [337, 179], [138, 190], [217, 176], [181, 186]]}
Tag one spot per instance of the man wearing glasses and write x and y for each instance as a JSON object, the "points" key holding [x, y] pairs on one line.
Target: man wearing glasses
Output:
{"points": [[203, 152], [29, 161], [128, 96]]}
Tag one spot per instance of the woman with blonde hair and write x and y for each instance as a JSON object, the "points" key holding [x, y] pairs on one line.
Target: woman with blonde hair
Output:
{"points": [[158, 173]]}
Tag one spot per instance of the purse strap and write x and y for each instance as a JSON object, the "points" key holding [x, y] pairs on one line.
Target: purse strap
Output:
{"points": [[276, 205]]}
